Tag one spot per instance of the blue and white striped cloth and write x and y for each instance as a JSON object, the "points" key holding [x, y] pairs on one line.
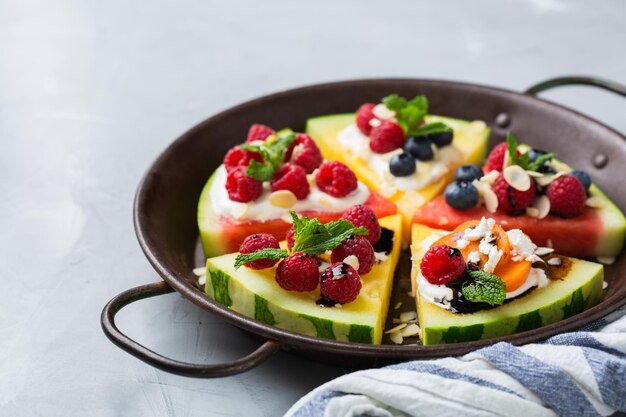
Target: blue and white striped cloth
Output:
{"points": [[572, 374]]}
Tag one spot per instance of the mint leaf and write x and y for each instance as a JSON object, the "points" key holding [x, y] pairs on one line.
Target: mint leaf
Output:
{"points": [[524, 160], [313, 238], [484, 287], [273, 153], [260, 171], [394, 102], [537, 164], [512, 142], [430, 129], [267, 253]]}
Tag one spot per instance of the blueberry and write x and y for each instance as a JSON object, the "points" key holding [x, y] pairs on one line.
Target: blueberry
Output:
{"points": [[582, 177], [468, 173], [461, 195], [441, 139], [545, 167], [419, 148], [402, 165]]}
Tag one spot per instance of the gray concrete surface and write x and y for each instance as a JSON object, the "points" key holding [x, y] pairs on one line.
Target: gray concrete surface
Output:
{"points": [[91, 92]]}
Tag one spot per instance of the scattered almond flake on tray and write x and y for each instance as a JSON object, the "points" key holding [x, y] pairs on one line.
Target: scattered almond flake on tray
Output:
{"points": [[199, 271], [595, 202], [398, 305], [410, 330], [396, 328], [408, 316], [202, 279], [555, 261], [410, 293], [604, 285], [606, 260], [396, 338]]}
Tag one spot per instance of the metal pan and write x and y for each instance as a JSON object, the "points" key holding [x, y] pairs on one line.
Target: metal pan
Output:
{"points": [[165, 204]]}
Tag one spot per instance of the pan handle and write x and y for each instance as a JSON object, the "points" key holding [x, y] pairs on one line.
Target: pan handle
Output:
{"points": [[609, 85], [173, 366]]}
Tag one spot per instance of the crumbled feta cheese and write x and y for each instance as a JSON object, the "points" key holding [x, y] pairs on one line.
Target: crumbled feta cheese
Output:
{"points": [[484, 247], [462, 243], [522, 245], [494, 257], [473, 257], [482, 228]]}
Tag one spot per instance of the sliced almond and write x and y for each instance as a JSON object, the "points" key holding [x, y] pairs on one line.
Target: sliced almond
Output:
{"points": [[541, 251], [408, 316], [491, 201], [606, 260], [202, 280], [535, 174], [595, 202], [396, 329], [410, 330], [547, 179], [490, 177], [517, 178], [297, 150], [542, 205], [604, 285], [555, 261], [382, 112], [532, 212], [353, 261], [435, 150], [396, 338], [283, 198], [398, 305], [311, 180], [199, 271]]}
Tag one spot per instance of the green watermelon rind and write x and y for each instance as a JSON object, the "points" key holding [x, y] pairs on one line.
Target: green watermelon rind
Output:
{"points": [[211, 232], [227, 290], [519, 315]]}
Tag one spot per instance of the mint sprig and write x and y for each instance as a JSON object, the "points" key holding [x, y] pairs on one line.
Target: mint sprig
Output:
{"points": [[484, 287], [523, 160], [410, 115], [273, 154], [310, 236], [267, 253]]}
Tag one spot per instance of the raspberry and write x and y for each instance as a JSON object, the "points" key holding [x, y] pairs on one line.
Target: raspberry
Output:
{"points": [[363, 116], [340, 283], [293, 178], [336, 179], [242, 188], [442, 265], [386, 137], [290, 239], [567, 196], [298, 272], [361, 215], [259, 132], [510, 199], [358, 246], [496, 157], [304, 152], [236, 157], [256, 242]]}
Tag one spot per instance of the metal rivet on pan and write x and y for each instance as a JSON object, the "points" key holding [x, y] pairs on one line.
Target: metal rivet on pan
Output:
{"points": [[600, 160], [503, 120]]}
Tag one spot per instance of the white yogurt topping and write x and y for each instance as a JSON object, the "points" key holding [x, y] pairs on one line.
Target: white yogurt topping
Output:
{"points": [[262, 209], [427, 172]]}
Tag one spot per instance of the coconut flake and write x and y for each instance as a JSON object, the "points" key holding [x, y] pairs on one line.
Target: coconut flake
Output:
{"points": [[516, 177]]}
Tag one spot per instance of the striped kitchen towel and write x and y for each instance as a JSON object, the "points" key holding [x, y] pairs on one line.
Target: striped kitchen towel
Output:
{"points": [[573, 374]]}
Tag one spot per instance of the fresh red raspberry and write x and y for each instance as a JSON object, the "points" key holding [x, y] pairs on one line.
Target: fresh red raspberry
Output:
{"points": [[257, 242], [510, 199], [363, 116], [259, 132], [293, 178], [242, 188], [289, 237], [358, 246], [361, 215], [442, 265], [298, 272], [336, 179], [386, 137], [340, 283], [236, 157], [496, 157], [567, 196], [304, 152]]}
